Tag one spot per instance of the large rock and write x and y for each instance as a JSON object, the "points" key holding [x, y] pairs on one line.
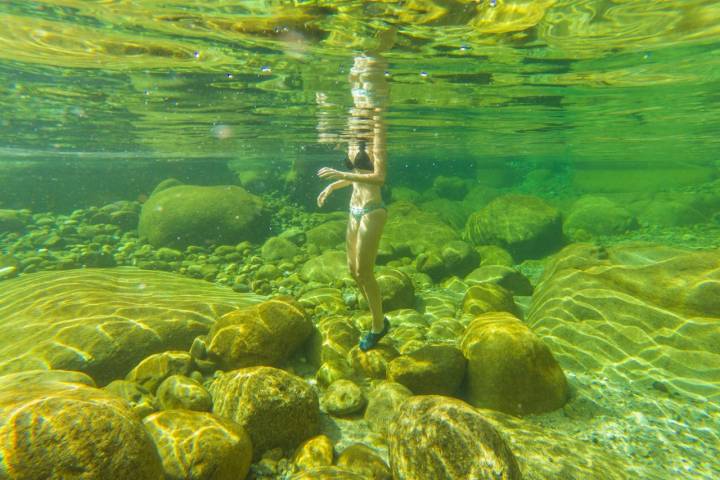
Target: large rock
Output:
{"points": [[153, 370], [196, 215], [104, 321], [401, 238], [326, 236], [384, 401], [455, 258], [200, 446], [13, 220], [396, 289], [432, 369], [52, 428], [640, 313], [263, 334], [278, 410], [524, 225], [330, 267], [435, 437], [594, 216], [509, 368], [545, 453], [506, 277]]}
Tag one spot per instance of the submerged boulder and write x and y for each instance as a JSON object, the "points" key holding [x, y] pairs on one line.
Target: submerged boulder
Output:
{"points": [[200, 445], [509, 368], [55, 429], [435, 437], [277, 409], [593, 216], [184, 215], [432, 369], [263, 334], [639, 313], [526, 226], [104, 321]]}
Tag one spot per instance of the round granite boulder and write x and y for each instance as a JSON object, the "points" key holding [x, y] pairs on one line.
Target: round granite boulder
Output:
{"points": [[195, 215], [435, 437], [363, 459], [315, 452], [151, 371], [343, 397], [431, 369], [181, 392], [454, 258], [526, 226], [13, 220], [326, 236], [200, 445], [277, 409], [140, 399], [509, 368], [488, 297], [593, 216], [54, 429], [396, 288], [278, 248], [384, 401], [329, 267], [263, 334], [507, 277]]}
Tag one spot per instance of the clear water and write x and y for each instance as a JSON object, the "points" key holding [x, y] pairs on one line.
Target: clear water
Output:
{"points": [[555, 98]]}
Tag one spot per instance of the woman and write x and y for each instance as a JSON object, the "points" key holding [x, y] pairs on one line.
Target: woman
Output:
{"points": [[366, 161]]}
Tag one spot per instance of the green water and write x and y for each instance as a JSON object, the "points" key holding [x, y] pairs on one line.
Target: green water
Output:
{"points": [[562, 100]]}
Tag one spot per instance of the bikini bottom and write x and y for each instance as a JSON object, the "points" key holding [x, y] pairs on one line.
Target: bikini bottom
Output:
{"points": [[358, 212]]}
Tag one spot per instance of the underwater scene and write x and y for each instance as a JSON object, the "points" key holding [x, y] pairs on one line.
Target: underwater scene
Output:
{"points": [[390, 239]]}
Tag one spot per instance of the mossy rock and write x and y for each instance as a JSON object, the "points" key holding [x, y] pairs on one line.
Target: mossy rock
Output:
{"points": [[410, 231], [373, 363], [396, 288], [430, 370], [509, 368], [364, 460], [526, 226], [142, 401], [276, 408], [328, 473], [343, 397], [278, 248], [151, 371], [196, 215], [384, 401], [326, 236], [104, 321], [494, 255], [51, 427], [488, 297], [507, 277], [181, 392], [453, 188], [596, 216], [329, 268], [325, 300], [200, 445], [455, 258], [441, 437], [263, 334], [333, 338], [314, 452], [630, 297], [13, 220]]}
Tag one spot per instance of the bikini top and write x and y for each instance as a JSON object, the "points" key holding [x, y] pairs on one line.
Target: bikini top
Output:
{"points": [[362, 160]]}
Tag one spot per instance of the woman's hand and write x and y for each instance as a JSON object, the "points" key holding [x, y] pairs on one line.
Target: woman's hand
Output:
{"points": [[331, 174], [323, 195]]}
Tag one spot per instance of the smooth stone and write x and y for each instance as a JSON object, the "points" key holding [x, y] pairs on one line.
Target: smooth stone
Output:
{"points": [[343, 397], [181, 392]]}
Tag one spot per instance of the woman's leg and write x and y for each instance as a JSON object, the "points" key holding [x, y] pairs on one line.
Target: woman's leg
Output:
{"points": [[368, 241]]}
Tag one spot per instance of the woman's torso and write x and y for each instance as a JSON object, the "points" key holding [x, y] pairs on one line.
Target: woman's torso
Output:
{"points": [[365, 193]]}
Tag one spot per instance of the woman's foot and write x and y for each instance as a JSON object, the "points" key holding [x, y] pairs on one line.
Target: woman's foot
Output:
{"points": [[370, 339]]}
